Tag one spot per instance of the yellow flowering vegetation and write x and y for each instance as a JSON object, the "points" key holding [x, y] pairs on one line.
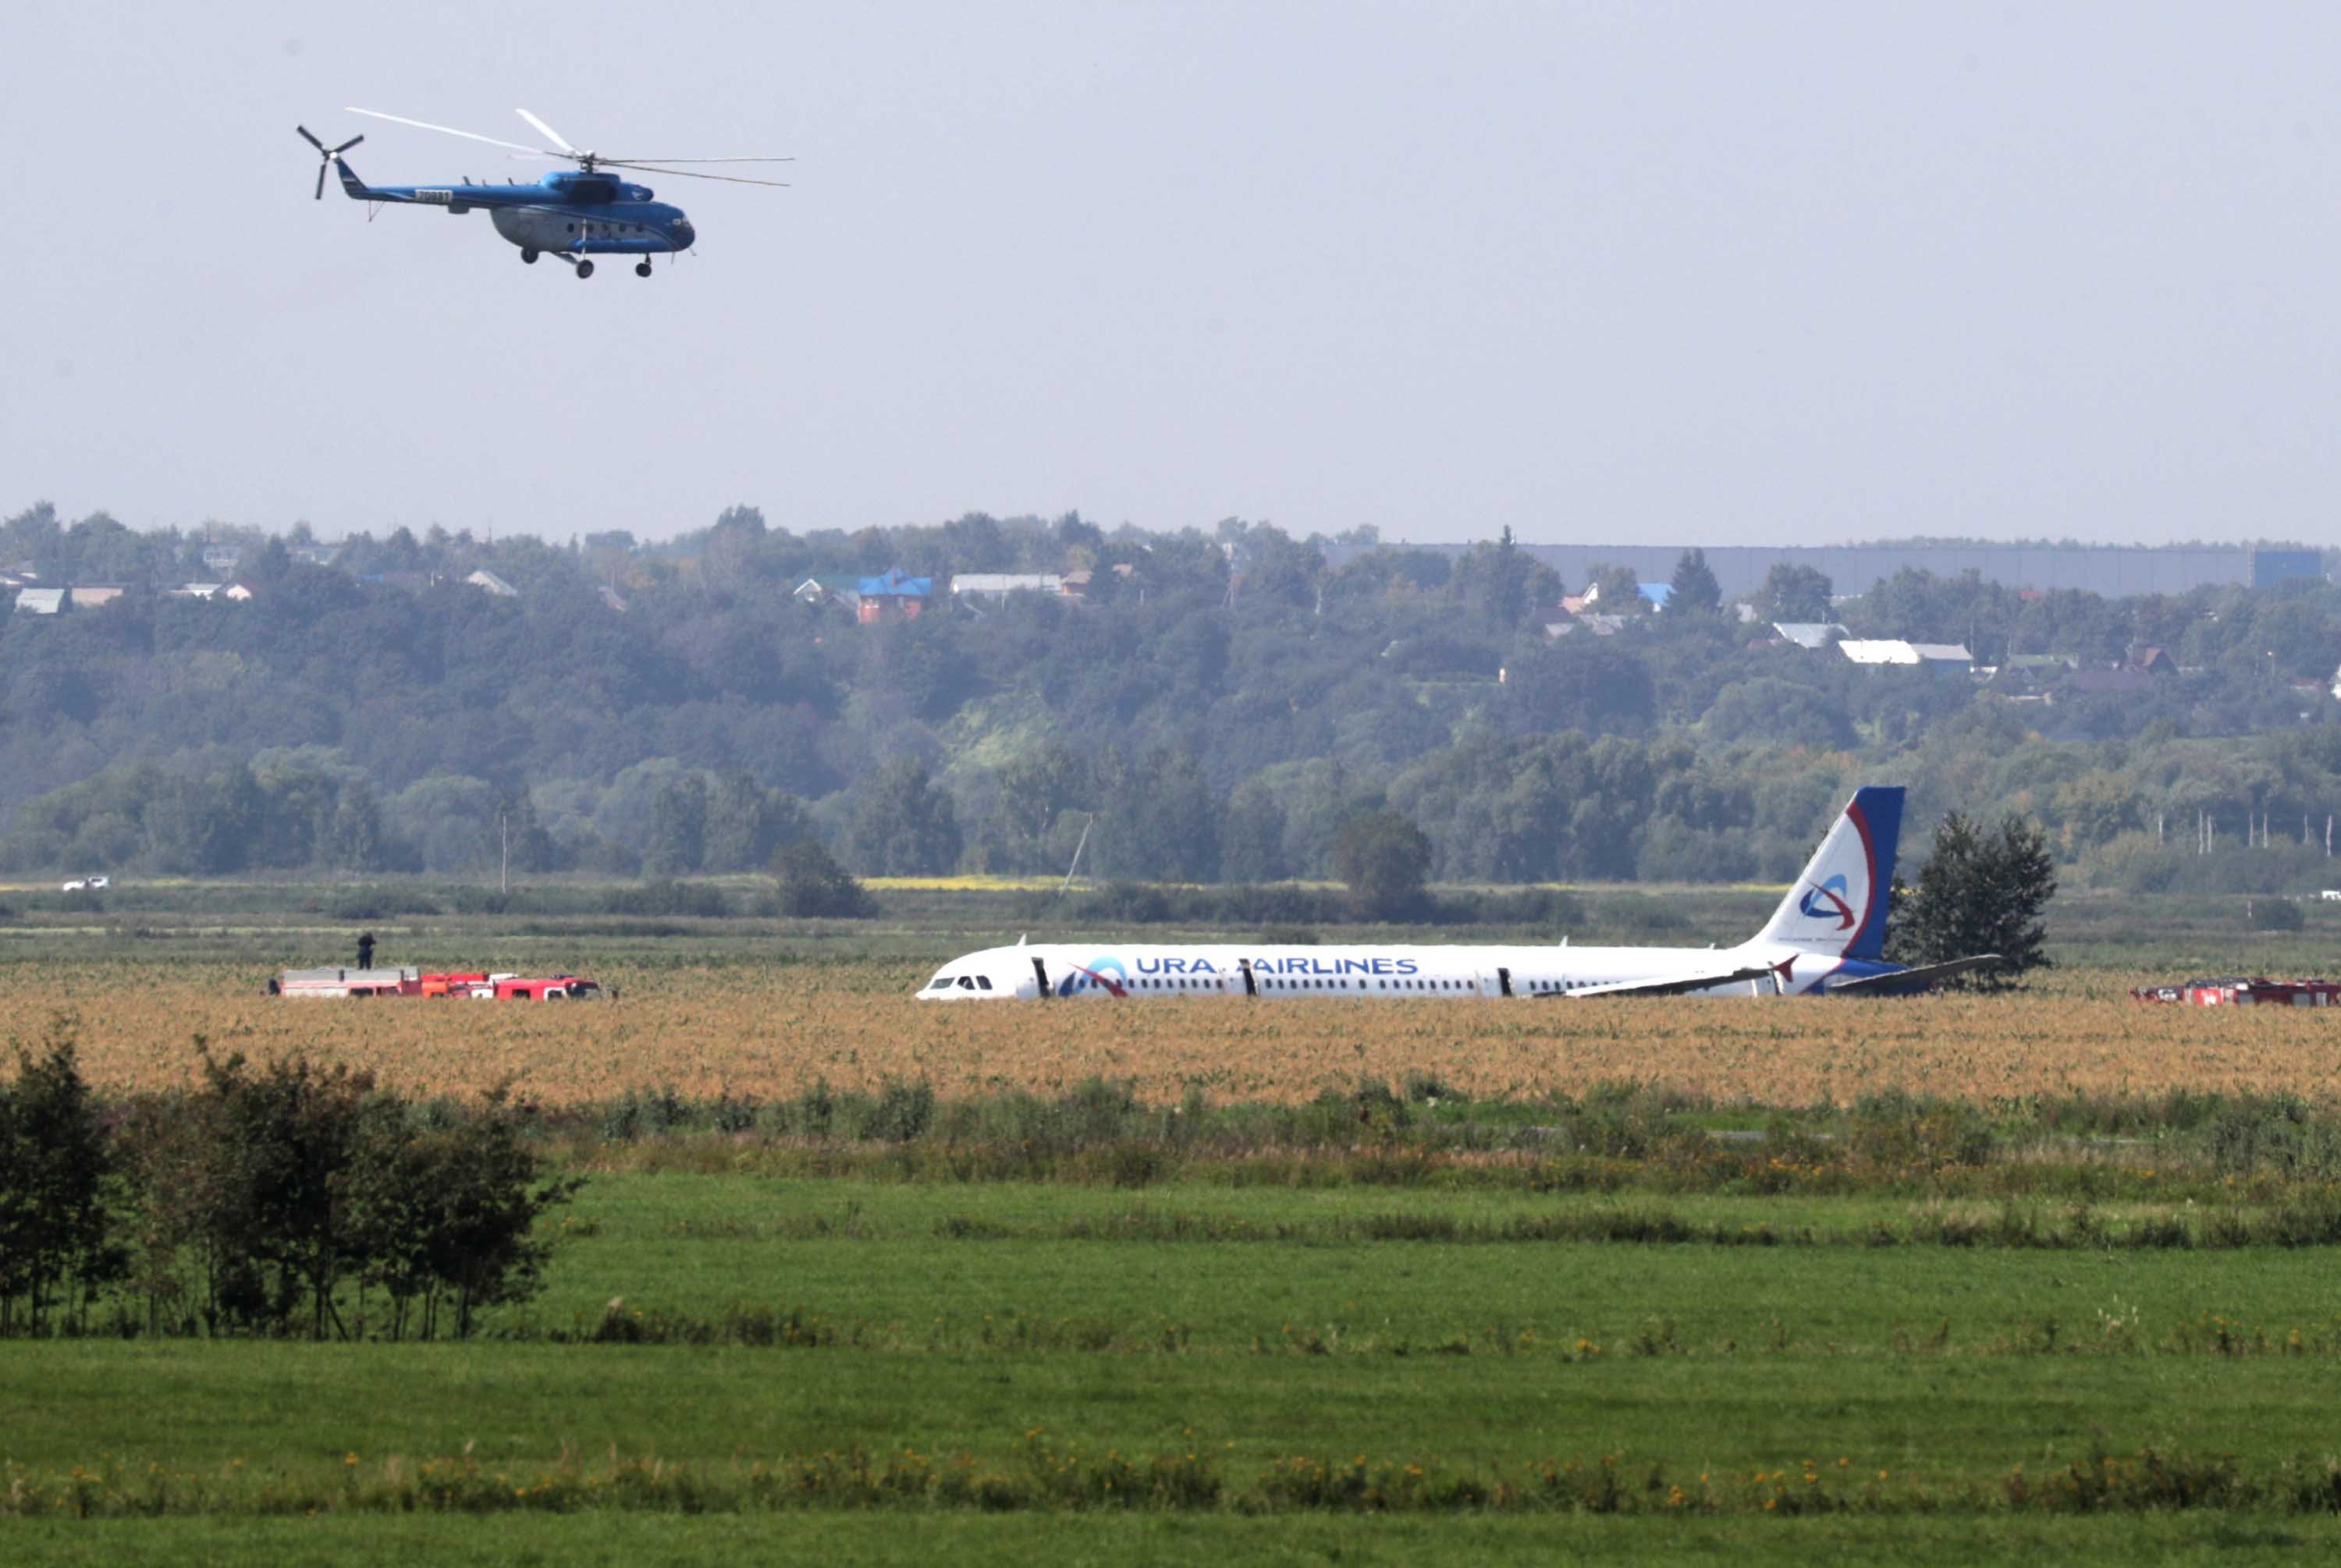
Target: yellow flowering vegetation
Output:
{"points": [[769, 1032]]}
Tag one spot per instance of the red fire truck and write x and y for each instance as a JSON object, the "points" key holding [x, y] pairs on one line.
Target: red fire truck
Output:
{"points": [[481, 986], [2237, 991]]}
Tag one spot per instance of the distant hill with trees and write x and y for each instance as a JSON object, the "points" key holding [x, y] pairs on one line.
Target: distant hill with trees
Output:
{"points": [[1208, 704]]}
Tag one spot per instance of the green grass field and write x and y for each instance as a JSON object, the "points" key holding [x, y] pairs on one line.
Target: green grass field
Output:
{"points": [[1025, 1336]]}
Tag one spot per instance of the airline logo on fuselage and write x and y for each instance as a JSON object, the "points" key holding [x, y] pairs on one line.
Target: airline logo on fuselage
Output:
{"points": [[1172, 964]]}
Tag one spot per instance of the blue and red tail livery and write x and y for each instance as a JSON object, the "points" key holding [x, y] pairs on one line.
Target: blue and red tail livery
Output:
{"points": [[1837, 906]]}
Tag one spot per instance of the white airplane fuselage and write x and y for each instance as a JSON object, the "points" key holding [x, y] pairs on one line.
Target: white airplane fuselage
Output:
{"points": [[1826, 936], [1272, 972]]}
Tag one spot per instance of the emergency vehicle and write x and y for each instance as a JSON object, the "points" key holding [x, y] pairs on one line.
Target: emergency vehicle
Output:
{"points": [[481, 986], [2237, 991]]}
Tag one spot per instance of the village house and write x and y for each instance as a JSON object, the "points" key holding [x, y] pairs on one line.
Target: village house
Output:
{"points": [[1896, 650], [893, 594], [997, 585]]}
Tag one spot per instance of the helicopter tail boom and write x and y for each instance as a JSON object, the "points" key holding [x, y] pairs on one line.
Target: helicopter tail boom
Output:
{"points": [[356, 189]]}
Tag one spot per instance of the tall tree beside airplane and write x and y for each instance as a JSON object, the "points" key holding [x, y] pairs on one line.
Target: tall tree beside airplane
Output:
{"points": [[1978, 889], [1828, 937], [1385, 859]]}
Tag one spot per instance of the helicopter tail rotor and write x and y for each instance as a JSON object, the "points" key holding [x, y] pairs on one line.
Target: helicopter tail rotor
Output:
{"points": [[325, 156]]}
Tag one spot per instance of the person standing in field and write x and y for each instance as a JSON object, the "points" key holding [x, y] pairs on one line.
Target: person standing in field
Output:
{"points": [[365, 951]]}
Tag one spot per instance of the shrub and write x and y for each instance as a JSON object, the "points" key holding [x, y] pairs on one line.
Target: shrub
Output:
{"points": [[55, 1167], [379, 904], [2272, 915], [275, 1200], [666, 896], [812, 885]]}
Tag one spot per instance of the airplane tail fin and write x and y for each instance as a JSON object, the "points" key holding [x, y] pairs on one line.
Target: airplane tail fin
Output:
{"points": [[1837, 906]]}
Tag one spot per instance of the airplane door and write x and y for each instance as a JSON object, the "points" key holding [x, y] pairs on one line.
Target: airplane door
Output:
{"points": [[1503, 981], [1041, 974]]}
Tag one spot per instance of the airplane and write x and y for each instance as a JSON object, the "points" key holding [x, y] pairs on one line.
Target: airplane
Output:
{"points": [[1826, 939], [570, 214]]}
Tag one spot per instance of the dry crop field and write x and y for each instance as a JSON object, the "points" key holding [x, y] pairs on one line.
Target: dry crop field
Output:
{"points": [[765, 1032]]}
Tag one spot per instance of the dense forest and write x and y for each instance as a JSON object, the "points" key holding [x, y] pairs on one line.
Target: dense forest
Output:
{"points": [[1214, 705]]}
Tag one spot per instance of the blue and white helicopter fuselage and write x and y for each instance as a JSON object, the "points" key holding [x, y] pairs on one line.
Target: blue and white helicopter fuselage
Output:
{"points": [[573, 215], [568, 213]]}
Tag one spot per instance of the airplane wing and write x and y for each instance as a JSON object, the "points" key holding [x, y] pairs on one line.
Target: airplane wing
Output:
{"points": [[1666, 985], [1916, 979]]}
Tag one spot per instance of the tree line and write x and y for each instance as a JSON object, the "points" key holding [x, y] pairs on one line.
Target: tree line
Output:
{"points": [[271, 1201], [1219, 706]]}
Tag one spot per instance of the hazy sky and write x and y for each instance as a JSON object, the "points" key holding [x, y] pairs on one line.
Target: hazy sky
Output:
{"points": [[1696, 273]]}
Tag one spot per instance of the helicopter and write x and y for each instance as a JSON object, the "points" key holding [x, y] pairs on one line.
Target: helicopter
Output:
{"points": [[571, 215]]}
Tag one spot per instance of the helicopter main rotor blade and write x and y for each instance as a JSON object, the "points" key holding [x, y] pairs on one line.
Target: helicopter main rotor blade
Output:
{"points": [[321, 182], [449, 130], [310, 139], [649, 159], [547, 132], [344, 147], [688, 174]]}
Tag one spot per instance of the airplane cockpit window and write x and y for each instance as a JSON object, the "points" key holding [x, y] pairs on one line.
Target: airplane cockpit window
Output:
{"points": [[942, 982], [965, 984], [984, 982]]}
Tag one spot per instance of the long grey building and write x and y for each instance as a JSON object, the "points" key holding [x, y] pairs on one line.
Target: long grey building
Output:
{"points": [[2112, 570]]}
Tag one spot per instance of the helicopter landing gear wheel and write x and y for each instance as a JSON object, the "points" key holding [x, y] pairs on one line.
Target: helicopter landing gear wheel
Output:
{"points": [[641, 268], [585, 269], [528, 255]]}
